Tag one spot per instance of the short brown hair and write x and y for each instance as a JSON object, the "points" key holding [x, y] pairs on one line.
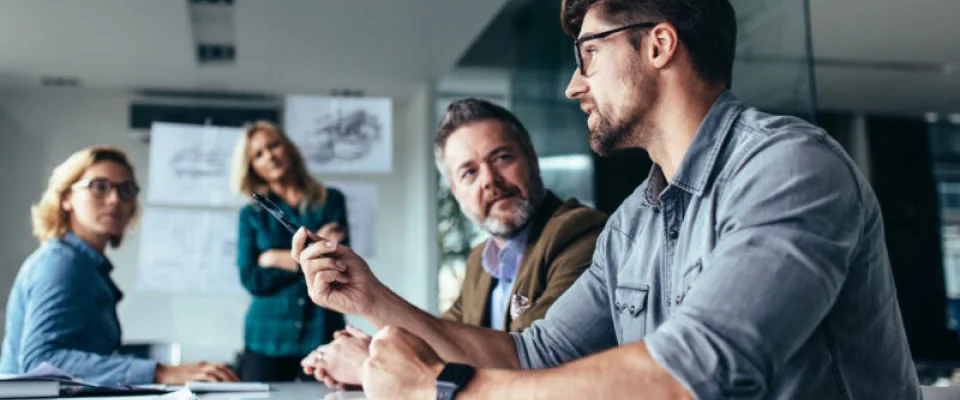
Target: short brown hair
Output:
{"points": [[48, 217], [467, 111], [708, 28]]}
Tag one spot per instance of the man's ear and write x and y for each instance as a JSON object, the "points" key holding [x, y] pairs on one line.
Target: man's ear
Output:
{"points": [[664, 42]]}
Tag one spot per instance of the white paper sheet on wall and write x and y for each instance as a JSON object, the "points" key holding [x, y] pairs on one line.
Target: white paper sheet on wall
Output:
{"points": [[338, 134], [184, 250], [362, 204], [190, 165]]}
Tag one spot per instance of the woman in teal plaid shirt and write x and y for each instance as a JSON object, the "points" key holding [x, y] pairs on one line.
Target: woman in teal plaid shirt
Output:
{"points": [[282, 325]]}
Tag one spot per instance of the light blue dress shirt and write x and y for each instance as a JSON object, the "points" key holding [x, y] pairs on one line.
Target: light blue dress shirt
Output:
{"points": [[502, 264], [63, 310]]}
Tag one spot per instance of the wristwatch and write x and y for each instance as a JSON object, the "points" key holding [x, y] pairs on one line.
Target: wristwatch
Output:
{"points": [[453, 378]]}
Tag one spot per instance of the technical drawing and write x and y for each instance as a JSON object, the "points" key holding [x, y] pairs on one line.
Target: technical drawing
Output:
{"points": [[349, 136], [196, 163], [342, 134]]}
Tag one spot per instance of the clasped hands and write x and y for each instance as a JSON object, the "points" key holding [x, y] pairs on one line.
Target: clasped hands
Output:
{"points": [[393, 364]]}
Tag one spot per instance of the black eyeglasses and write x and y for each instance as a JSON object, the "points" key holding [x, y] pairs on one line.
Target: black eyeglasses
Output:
{"points": [[577, 42], [101, 187]]}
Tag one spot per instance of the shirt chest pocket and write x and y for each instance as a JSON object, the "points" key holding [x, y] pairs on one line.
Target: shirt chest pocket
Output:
{"points": [[688, 276], [630, 306]]}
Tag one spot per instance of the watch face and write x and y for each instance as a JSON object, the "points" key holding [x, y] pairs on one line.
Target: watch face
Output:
{"points": [[445, 390], [446, 385]]}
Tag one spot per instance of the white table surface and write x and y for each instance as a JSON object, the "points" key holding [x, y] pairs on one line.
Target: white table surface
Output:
{"points": [[278, 391]]}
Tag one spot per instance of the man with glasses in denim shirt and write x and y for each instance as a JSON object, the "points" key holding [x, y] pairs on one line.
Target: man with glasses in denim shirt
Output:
{"points": [[750, 264]]}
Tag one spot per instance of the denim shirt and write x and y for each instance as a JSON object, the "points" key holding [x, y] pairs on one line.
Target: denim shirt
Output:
{"points": [[63, 310], [502, 265], [759, 272]]}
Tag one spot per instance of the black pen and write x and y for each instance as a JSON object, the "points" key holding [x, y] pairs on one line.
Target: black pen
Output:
{"points": [[275, 211]]}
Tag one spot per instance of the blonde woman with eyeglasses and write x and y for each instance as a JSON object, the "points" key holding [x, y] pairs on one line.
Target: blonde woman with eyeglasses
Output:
{"points": [[282, 325], [63, 306]]}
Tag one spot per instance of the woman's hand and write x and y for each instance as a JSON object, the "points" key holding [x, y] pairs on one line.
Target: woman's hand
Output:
{"points": [[279, 259]]}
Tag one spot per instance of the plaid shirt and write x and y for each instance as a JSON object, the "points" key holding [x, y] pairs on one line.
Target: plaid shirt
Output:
{"points": [[282, 321]]}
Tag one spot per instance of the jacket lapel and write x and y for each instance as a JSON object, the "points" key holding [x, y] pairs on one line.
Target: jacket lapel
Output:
{"points": [[528, 269], [484, 286]]}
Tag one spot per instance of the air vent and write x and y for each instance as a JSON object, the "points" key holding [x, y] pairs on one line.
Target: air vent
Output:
{"points": [[60, 81], [207, 95]]}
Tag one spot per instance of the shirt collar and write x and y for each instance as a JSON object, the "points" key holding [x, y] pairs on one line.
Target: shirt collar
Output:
{"points": [[503, 263], [84, 248], [699, 160]]}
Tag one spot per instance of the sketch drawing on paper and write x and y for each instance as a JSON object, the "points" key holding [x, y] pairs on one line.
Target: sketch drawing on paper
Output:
{"points": [[190, 165], [195, 163], [362, 204], [190, 251], [341, 134]]}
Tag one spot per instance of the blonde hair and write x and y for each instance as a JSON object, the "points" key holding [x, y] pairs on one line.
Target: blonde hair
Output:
{"points": [[245, 180], [49, 218]]}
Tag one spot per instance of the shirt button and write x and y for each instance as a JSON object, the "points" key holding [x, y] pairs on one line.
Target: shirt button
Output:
{"points": [[672, 234], [633, 309], [301, 301], [298, 324]]}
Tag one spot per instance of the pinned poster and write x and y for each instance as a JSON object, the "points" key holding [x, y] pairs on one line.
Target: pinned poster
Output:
{"points": [[362, 203], [341, 134], [190, 165], [189, 251]]}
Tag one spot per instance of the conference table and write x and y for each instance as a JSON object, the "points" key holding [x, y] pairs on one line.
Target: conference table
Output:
{"points": [[278, 391], [317, 391]]}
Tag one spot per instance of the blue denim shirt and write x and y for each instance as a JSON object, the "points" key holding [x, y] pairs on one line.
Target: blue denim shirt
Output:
{"points": [[759, 272], [63, 310], [502, 265]]}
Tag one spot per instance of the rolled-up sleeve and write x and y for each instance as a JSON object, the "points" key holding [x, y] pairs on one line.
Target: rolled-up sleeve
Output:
{"points": [[578, 324], [788, 223]]}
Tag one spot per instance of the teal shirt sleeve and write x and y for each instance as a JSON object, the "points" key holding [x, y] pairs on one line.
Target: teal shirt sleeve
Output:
{"points": [[257, 280]]}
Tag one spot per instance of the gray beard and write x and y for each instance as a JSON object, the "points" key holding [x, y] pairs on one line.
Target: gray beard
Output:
{"points": [[507, 229]]}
